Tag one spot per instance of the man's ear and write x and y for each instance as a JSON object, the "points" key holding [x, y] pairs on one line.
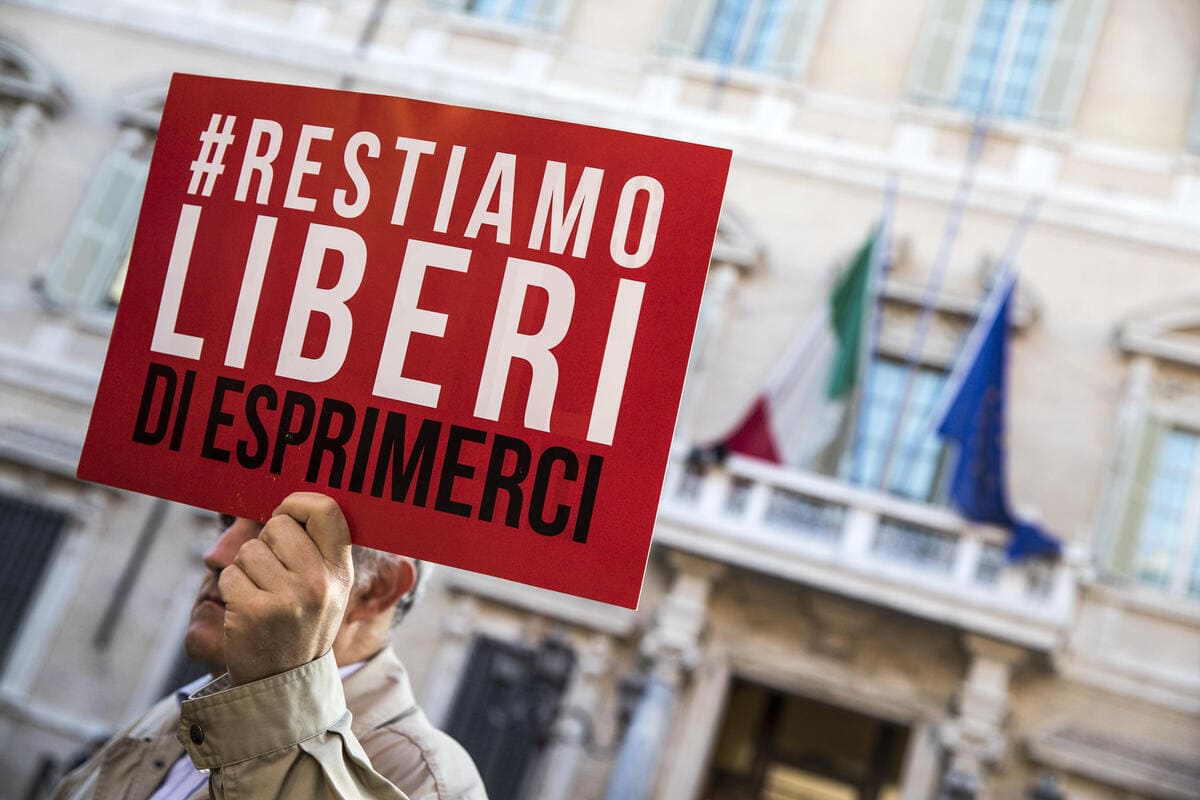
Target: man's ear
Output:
{"points": [[393, 579]]}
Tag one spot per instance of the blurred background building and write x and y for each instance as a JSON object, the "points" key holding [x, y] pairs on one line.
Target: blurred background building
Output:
{"points": [[826, 632]]}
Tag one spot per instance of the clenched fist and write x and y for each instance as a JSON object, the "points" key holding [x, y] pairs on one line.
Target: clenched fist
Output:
{"points": [[286, 591]]}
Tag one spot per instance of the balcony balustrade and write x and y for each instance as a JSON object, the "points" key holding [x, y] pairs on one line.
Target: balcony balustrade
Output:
{"points": [[911, 557]]}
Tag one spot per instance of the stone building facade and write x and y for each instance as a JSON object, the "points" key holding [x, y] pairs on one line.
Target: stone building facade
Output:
{"points": [[835, 632]]}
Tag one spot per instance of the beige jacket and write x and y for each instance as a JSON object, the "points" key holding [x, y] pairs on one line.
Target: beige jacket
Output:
{"points": [[297, 735]]}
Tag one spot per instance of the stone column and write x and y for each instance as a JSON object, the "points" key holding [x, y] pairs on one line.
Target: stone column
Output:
{"points": [[975, 737], [458, 627], [559, 764], [671, 649], [15, 144]]}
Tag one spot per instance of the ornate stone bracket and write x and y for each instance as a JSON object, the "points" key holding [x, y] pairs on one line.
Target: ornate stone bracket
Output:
{"points": [[975, 736]]}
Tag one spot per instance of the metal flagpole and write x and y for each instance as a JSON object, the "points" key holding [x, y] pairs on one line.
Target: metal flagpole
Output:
{"points": [[1004, 275], [726, 63], [881, 263], [365, 37], [993, 88]]}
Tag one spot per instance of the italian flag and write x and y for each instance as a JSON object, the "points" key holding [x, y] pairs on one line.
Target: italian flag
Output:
{"points": [[803, 406]]}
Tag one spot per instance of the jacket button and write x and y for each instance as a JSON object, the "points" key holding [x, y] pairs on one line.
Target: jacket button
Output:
{"points": [[197, 734]]}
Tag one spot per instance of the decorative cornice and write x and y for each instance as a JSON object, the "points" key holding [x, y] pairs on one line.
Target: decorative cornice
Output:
{"points": [[58, 379], [1133, 766]]}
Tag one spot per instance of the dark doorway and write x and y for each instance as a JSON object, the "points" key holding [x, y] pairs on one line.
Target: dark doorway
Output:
{"points": [[507, 699], [776, 746], [29, 535]]}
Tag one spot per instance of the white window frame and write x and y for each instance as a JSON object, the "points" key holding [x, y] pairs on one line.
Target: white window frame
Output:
{"points": [[1152, 341], [1122, 540], [687, 22], [547, 20], [940, 87], [1192, 137]]}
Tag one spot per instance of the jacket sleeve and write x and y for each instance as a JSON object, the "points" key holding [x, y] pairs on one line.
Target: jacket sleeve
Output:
{"points": [[286, 736]]}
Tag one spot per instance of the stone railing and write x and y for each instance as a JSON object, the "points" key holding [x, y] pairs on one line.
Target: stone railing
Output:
{"points": [[918, 559]]}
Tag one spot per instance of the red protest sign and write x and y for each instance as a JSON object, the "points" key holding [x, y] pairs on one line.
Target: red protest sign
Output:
{"points": [[470, 328]]}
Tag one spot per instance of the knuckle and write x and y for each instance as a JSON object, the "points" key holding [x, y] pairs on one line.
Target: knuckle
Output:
{"points": [[227, 581], [275, 527], [315, 591], [246, 552]]}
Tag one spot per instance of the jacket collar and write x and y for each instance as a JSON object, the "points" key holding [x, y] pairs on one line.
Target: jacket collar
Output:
{"points": [[379, 692]]}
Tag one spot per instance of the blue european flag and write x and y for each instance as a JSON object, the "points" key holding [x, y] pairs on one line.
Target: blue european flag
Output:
{"points": [[974, 419]]}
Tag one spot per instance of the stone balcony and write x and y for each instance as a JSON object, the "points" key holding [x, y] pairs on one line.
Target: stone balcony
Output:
{"points": [[916, 559]]}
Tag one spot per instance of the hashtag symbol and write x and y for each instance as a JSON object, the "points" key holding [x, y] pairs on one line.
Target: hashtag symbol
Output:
{"points": [[209, 164]]}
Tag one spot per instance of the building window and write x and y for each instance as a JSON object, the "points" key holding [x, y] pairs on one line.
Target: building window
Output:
{"points": [[1015, 95], [962, 56], [917, 452], [765, 35], [538, 13], [89, 270], [1157, 544], [29, 535], [1193, 130]]}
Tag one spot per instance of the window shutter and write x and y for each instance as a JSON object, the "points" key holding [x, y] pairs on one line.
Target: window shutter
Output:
{"points": [[543, 13], [450, 5], [938, 62], [1193, 129], [1123, 544], [100, 235], [686, 25], [8, 139], [1066, 63], [793, 37]]}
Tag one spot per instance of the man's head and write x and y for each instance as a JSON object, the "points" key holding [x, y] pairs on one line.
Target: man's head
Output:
{"points": [[385, 586]]}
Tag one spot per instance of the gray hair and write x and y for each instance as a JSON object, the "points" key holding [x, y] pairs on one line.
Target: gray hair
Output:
{"points": [[368, 563]]}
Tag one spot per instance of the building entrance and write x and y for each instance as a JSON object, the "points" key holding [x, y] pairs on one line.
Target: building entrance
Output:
{"points": [[777, 746]]}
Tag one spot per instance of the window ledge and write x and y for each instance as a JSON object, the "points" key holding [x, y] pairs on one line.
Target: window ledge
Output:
{"points": [[950, 117], [94, 321], [685, 66], [1142, 599], [525, 34]]}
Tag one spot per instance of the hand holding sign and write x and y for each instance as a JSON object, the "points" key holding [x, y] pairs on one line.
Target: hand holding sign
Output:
{"points": [[286, 591]]}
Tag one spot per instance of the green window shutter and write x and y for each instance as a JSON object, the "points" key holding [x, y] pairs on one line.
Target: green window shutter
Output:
{"points": [[944, 41], [98, 241], [1123, 544], [685, 27], [545, 13], [1077, 25], [798, 32], [8, 138], [449, 5], [1193, 129]]}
